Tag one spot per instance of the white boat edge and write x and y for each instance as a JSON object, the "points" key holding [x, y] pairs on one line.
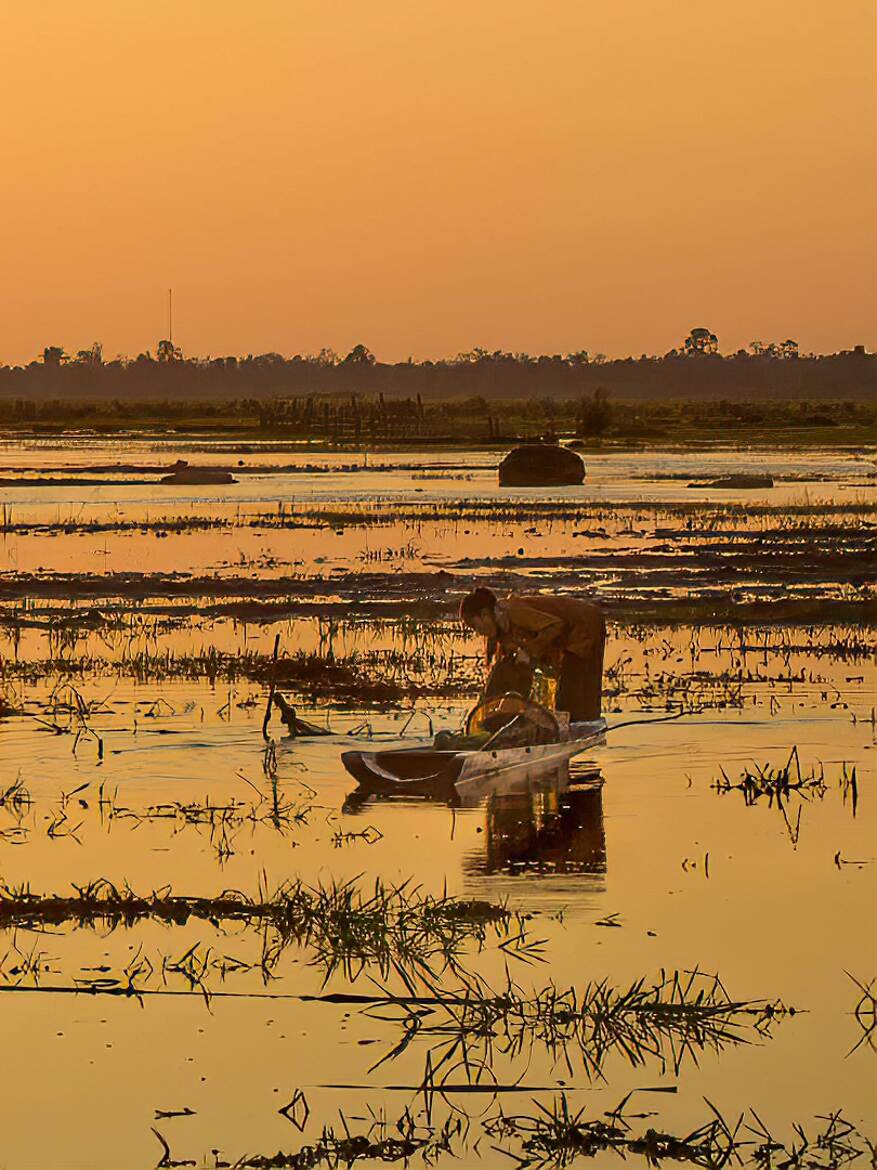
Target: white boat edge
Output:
{"points": [[533, 764]]}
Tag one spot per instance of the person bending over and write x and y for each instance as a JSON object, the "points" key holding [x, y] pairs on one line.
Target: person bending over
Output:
{"points": [[562, 635]]}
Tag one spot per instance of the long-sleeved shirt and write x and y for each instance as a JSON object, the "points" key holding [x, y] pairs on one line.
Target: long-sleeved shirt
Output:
{"points": [[546, 627]]}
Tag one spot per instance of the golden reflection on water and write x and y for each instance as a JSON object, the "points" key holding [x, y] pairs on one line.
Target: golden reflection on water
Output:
{"points": [[654, 869]]}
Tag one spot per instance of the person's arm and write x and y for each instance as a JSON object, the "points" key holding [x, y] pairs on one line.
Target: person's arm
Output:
{"points": [[540, 630]]}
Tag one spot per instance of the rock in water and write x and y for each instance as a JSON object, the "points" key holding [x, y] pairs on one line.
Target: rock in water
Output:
{"points": [[186, 474], [540, 465]]}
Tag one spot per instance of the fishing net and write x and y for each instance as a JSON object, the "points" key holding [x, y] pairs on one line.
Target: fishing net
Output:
{"points": [[502, 722]]}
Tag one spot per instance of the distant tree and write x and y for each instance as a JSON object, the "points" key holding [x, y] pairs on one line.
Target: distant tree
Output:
{"points": [[166, 351], [360, 355], [54, 355], [93, 356], [774, 349], [479, 354], [701, 341]]}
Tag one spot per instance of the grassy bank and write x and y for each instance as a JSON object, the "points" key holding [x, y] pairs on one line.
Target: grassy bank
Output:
{"points": [[333, 423]]}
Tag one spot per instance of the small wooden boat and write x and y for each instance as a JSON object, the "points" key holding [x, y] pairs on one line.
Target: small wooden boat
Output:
{"points": [[469, 775]]}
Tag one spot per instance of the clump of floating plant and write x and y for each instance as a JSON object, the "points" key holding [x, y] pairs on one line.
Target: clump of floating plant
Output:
{"points": [[678, 1016], [347, 928], [556, 1135], [777, 785], [381, 1141], [774, 782]]}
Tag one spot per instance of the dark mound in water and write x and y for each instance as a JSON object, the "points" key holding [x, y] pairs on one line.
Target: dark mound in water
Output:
{"points": [[540, 465], [736, 481], [195, 475]]}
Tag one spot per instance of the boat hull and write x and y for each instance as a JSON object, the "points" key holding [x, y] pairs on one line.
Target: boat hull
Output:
{"points": [[468, 776]]}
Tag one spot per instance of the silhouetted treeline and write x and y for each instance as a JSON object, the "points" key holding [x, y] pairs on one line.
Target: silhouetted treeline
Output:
{"points": [[693, 371]]}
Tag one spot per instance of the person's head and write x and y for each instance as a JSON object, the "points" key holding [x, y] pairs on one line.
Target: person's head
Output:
{"points": [[478, 612]]}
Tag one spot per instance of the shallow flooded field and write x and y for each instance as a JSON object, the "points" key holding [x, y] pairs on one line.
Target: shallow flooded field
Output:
{"points": [[214, 952]]}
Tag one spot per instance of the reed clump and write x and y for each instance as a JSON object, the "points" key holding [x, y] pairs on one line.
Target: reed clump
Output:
{"points": [[381, 1141], [347, 927], [556, 1135], [677, 1017], [775, 782], [778, 785]]}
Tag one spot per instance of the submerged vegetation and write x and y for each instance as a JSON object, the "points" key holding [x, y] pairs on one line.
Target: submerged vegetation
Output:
{"points": [[347, 928], [664, 519], [404, 663], [556, 1135], [679, 563], [382, 1143]]}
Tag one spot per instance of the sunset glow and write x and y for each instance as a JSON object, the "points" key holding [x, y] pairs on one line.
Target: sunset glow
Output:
{"points": [[429, 177]]}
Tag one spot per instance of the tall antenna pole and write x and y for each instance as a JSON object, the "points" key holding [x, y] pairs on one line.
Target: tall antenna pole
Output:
{"points": [[170, 315]]}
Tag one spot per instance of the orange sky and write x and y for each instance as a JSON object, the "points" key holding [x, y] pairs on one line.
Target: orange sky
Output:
{"points": [[426, 177]]}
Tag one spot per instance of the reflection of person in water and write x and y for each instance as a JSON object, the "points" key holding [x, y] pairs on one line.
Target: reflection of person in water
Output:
{"points": [[562, 635], [556, 832]]}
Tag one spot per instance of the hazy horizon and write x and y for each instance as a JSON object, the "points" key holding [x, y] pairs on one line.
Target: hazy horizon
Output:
{"points": [[429, 179]]}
